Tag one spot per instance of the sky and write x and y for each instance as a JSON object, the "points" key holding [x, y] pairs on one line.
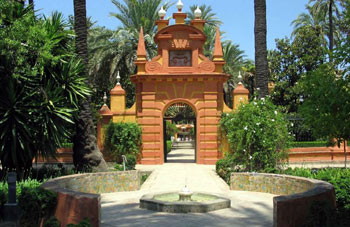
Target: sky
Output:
{"points": [[237, 17]]}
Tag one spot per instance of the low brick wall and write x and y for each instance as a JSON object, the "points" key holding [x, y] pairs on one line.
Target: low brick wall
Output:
{"points": [[317, 154], [296, 194], [78, 195]]}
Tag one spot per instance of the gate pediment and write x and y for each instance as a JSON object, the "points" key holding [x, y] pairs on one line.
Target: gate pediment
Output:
{"points": [[180, 50]]}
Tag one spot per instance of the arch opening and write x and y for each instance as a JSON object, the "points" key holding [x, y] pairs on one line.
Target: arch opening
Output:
{"points": [[179, 133]]}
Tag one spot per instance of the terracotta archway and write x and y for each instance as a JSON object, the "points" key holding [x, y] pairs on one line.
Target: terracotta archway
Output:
{"points": [[179, 73], [186, 102]]}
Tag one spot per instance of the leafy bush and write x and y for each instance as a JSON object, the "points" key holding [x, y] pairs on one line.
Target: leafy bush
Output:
{"points": [[257, 134], [309, 144], [224, 168], [340, 179], [51, 171], [122, 139], [129, 165], [168, 146], [41, 84], [119, 167], [84, 223], [52, 222], [131, 162], [171, 129], [36, 203]]}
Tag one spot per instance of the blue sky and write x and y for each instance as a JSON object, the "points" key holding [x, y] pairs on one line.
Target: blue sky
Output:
{"points": [[237, 17]]}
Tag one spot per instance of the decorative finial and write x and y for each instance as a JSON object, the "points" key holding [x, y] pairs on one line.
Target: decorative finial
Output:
{"points": [[161, 13], [239, 77], [198, 13], [179, 5], [105, 98], [118, 78]]}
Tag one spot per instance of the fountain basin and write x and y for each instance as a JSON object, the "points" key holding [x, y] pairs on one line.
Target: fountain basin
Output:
{"points": [[169, 202]]}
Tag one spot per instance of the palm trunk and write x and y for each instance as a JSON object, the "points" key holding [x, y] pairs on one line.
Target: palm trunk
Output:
{"points": [[260, 47], [86, 154], [330, 35]]}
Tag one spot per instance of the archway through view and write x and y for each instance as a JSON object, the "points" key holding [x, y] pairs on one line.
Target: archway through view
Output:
{"points": [[179, 124]]}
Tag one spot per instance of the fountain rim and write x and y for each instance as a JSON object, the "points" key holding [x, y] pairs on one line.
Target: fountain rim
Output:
{"points": [[150, 198]]}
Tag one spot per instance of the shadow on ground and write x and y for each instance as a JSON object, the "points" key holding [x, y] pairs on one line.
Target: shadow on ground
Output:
{"points": [[129, 214]]}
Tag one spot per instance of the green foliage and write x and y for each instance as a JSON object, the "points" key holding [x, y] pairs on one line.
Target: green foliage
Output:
{"points": [[226, 166], [299, 172], [36, 203], [131, 161], [144, 176], [84, 223], [168, 146], [129, 165], [257, 134], [52, 222], [40, 85], [326, 108], [309, 144], [119, 167], [122, 139], [50, 171], [340, 179], [290, 61], [171, 129]]}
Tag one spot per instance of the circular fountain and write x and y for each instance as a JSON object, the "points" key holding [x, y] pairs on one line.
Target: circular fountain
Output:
{"points": [[184, 201]]}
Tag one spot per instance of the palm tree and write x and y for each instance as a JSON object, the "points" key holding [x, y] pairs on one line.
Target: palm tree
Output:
{"points": [[323, 15], [86, 154], [309, 19], [207, 15], [261, 65], [136, 13], [326, 8], [113, 51]]}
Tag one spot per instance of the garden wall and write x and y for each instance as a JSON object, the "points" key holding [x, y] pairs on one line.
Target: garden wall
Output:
{"points": [[78, 195], [317, 154], [296, 194]]}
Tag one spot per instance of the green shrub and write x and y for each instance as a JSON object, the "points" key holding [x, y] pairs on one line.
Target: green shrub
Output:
{"points": [[50, 171], [3, 197], [122, 139], [168, 146], [309, 144], [144, 176], [257, 134], [224, 168], [131, 162], [52, 222], [35, 203], [299, 172], [339, 178], [129, 165], [118, 167], [84, 223], [171, 129]]}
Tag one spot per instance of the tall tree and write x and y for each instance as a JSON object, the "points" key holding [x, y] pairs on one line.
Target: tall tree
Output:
{"points": [[327, 8], [261, 65], [136, 13], [207, 14], [40, 85], [86, 154]]}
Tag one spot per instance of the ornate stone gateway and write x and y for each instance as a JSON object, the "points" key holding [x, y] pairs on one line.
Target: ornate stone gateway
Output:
{"points": [[179, 73]]}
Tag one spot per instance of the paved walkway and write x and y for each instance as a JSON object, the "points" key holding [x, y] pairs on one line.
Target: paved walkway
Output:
{"points": [[247, 208]]}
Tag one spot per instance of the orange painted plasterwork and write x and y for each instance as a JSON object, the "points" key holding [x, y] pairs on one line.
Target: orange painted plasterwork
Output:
{"points": [[159, 85]]}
